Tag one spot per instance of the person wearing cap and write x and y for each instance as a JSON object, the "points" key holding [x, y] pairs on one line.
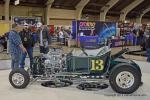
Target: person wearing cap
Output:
{"points": [[28, 43], [15, 46]]}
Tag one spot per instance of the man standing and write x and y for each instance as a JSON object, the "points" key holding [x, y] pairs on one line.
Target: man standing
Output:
{"points": [[15, 46], [44, 39], [28, 43], [148, 48], [61, 35]]}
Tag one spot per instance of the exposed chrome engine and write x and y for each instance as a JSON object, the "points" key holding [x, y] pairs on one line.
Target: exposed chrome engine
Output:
{"points": [[53, 62]]}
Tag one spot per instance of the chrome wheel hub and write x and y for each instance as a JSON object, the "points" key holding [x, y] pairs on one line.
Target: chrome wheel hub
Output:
{"points": [[18, 79], [125, 79]]}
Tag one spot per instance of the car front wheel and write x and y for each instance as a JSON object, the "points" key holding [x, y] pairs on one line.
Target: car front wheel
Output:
{"points": [[19, 78]]}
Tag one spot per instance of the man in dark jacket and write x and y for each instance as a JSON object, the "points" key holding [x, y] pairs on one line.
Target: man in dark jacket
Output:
{"points": [[142, 40], [44, 39], [148, 48], [27, 40]]}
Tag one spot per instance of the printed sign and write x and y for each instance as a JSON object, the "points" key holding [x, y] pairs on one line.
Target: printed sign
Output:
{"points": [[97, 65], [31, 21], [87, 26]]}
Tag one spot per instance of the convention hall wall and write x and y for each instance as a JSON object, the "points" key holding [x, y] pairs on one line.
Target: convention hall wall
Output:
{"points": [[146, 20], [26, 11], [23, 11], [62, 17], [1, 10]]}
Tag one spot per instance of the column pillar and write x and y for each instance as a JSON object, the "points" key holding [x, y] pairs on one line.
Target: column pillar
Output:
{"points": [[127, 9], [7, 10], [80, 7], [106, 8], [139, 19], [47, 10]]}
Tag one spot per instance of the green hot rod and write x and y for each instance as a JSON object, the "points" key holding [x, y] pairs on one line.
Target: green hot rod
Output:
{"points": [[123, 75]]}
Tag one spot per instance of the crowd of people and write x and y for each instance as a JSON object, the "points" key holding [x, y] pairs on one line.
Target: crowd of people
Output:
{"points": [[22, 40], [140, 38], [143, 41], [62, 35]]}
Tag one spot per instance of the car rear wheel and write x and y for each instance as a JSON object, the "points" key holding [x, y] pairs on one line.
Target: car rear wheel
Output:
{"points": [[125, 79]]}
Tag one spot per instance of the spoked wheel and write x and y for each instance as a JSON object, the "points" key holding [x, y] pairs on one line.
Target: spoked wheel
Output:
{"points": [[125, 79], [19, 78]]}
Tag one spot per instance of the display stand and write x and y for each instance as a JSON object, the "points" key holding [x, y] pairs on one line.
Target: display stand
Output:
{"points": [[88, 41]]}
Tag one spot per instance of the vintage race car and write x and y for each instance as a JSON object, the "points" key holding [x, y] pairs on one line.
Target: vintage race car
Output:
{"points": [[123, 75]]}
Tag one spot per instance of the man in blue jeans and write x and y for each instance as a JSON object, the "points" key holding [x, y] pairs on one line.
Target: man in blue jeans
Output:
{"points": [[15, 46], [148, 56], [28, 43], [148, 48]]}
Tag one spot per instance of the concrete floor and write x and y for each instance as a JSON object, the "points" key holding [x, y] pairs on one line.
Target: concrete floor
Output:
{"points": [[37, 92]]}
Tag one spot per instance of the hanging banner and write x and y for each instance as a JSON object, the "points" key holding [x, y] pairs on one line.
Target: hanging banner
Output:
{"points": [[87, 28], [31, 21]]}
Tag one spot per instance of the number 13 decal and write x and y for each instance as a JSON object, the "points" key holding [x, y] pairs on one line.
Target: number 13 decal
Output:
{"points": [[97, 65]]}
